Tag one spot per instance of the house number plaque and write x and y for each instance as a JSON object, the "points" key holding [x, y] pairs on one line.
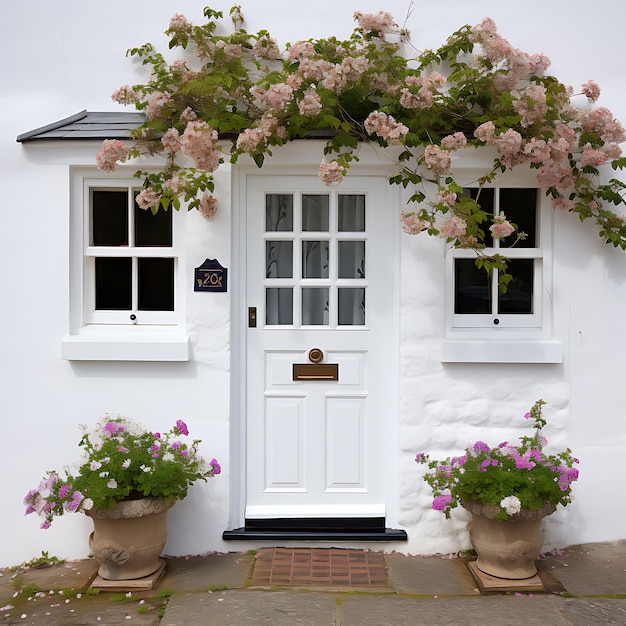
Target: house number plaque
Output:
{"points": [[210, 276]]}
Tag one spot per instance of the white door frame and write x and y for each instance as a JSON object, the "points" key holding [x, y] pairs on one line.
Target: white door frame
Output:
{"points": [[302, 158]]}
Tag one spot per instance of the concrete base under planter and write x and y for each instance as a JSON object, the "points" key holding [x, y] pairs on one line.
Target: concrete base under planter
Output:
{"points": [[492, 583], [137, 584]]}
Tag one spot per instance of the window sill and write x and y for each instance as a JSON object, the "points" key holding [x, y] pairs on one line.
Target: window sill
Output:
{"points": [[94, 343], [501, 351]]}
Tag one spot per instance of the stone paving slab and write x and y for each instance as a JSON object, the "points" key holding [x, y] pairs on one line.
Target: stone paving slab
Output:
{"points": [[210, 572], [591, 569], [430, 576], [294, 608]]}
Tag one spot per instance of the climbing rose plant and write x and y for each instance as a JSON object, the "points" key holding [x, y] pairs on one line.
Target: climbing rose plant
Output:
{"points": [[238, 94]]}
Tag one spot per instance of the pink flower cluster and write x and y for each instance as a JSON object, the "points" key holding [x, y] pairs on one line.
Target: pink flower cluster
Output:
{"points": [[199, 142], [591, 90], [453, 228], [531, 105], [310, 105], [300, 50], [501, 227], [276, 97], [180, 24], [156, 101], [340, 75], [148, 198], [412, 224], [331, 173], [420, 90], [437, 160], [517, 65], [380, 23], [385, 127], [265, 47], [252, 140], [125, 95], [111, 151]]}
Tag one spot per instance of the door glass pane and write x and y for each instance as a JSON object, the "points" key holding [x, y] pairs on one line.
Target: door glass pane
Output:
{"points": [[113, 284], [315, 213], [351, 213], [520, 207], [315, 306], [155, 284], [472, 293], [519, 293], [315, 259], [153, 230], [278, 212], [351, 306], [279, 306], [278, 259], [109, 218], [351, 259]]}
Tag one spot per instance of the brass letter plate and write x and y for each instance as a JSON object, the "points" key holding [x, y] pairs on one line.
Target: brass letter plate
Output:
{"points": [[316, 371]]}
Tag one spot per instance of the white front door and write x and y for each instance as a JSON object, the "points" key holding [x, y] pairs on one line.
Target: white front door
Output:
{"points": [[319, 346]]}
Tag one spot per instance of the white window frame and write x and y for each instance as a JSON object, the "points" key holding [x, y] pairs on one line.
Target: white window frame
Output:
{"points": [[113, 335], [506, 338]]}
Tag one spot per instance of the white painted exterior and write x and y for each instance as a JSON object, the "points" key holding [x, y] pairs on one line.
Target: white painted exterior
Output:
{"points": [[68, 55]]}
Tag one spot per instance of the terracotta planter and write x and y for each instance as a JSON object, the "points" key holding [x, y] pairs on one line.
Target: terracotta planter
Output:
{"points": [[507, 549], [127, 540]]}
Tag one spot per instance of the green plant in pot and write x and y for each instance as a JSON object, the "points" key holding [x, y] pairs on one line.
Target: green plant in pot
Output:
{"points": [[126, 474], [508, 489]]}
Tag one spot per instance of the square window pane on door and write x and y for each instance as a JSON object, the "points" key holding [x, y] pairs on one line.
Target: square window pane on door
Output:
{"points": [[351, 259], [279, 306], [109, 218], [351, 306], [315, 213], [278, 212], [315, 259], [351, 213], [315, 306], [155, 284], [472, 291], [519, 293], [113, 284], [278, 259], [153, 230]]}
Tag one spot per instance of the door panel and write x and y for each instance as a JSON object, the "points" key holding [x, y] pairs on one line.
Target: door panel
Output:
{"points": [[318, 273]]}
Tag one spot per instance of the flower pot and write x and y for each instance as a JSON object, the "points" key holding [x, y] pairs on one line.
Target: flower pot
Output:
{"points": [[127, 539], [507, 548]]}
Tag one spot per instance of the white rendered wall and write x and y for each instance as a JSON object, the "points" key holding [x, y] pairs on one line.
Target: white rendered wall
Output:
{"points": [[64, 56]]}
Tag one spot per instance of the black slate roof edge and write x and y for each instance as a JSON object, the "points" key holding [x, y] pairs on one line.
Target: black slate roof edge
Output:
{"points": [[87, 125], [32, 134], [93, 125]]}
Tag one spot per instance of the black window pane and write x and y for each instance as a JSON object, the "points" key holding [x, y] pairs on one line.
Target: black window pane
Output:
{"points": [[155, 284], [520, 208], [472, 292], [113, 284], [109, 218], [153, 230], [519, 294], [485, 200]]}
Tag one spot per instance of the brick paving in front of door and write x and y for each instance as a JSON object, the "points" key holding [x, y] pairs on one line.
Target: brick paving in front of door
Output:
{"points": [[323, 567]]}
